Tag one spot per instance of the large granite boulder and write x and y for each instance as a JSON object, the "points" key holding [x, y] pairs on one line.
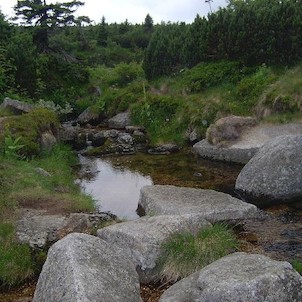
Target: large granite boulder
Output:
{"points": [[239, 277], [228, 129], [120, 121], [90, 116], [141, 239], [16, 107], [241, 154], [84, 268], [275, 172], [245, 147], [211, 205]]}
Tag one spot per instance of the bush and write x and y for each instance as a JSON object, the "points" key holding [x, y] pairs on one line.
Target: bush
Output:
{"points": [[161, 117], [206, 75], [185, 253], [119, 76]]}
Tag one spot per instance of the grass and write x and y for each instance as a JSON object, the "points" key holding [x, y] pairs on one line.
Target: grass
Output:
{"points": [[297, 265], [22, 186], [15, 259], [186, 253]]}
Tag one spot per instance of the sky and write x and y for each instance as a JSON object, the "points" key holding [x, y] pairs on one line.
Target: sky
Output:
{"points": [[135, 11]]}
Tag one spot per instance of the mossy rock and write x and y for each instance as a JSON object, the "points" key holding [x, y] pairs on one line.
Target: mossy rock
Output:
{"points": [[30, 127]]}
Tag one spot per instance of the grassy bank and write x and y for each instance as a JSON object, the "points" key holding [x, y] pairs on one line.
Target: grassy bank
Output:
{"points": [[195, 98], [23, 185]]}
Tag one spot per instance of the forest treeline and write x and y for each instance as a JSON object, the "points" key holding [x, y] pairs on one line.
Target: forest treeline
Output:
{"points": [[55, 66]]}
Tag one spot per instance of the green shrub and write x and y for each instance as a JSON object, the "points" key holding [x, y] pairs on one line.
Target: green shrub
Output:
{"points": [[161, 117], [206, 75], [185, 253], [119, 76]]}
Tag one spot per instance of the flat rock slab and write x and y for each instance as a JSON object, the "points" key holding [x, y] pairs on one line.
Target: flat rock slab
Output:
{"points": [[239, 277], [247, 145], [230, 154], [208, 204], [141, 239], [84, 268], [39, 230]]}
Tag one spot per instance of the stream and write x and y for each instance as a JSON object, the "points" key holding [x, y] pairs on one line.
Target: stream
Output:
{"points": [[114, 183]]}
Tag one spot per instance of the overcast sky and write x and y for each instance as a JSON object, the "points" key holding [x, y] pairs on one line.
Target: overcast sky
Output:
{"points": [[136, 10]]}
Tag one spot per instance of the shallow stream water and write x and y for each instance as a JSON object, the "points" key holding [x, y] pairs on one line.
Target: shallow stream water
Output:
{"points": [[115, 183]]}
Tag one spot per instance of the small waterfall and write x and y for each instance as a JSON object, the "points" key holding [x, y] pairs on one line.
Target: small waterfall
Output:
{"points": [[88, 142]]}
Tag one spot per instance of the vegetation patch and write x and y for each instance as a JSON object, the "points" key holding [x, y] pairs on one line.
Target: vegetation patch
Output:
{"points": [[186, 253], [22, 184], [15, 259], [29, 127], [297, 265]]}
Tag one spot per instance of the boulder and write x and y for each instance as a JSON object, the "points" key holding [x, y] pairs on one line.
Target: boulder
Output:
{"points": [[16, 107], [84, 268], [120, 121], [210, 205], [228, 129], [98, 139], [241, 154], [111, 142], [164, 149], [90, 116], [132, 129], [141, 239], [38, 229], [275, 172], [250, 141], [239, 277], [48, 141]]}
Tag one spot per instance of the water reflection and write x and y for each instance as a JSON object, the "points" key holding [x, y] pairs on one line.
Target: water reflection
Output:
{"points": [[115, 189]]}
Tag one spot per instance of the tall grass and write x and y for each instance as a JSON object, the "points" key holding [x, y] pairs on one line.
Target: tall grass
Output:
{"points": [[15, 259], [186, 253]]}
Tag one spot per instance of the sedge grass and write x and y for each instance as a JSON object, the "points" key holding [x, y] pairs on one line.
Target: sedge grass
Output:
{"points": [[186, 253]]}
